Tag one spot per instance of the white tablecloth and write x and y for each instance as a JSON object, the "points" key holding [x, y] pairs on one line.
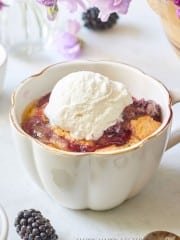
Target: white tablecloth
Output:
{"points": [[139, 40]]}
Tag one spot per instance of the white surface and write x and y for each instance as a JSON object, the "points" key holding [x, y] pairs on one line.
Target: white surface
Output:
{"points": [[138, 40]]}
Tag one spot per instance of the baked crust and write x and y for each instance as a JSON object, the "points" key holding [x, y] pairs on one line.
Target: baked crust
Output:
{"points": [[141, 128]]}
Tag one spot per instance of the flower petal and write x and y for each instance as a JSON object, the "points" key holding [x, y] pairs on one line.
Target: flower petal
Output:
{"points": [[73, 26], [109, 6], [68, 45], [66, 40], [47, 3], [73, 52]]}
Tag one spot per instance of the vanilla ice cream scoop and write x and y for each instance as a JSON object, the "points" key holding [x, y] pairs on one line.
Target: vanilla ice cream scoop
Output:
{"points": [[86, 104]]}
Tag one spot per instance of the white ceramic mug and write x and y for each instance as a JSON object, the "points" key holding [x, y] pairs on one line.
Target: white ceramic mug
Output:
{"points": [[3, 62], [3, 224], [96, 180]]}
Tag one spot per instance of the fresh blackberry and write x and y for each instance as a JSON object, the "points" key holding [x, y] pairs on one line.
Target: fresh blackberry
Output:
{"points": [[91, 20], [31, 225]]}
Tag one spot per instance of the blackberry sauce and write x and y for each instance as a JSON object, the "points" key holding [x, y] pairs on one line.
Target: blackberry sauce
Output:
{"points": [[38, 126]]}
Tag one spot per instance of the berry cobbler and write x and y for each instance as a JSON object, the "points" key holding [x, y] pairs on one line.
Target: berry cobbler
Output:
{"points": [[87, 112]]}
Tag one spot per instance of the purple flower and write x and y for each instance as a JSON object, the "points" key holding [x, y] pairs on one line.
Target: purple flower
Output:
{"points": [[2, 5], [107, 7], [52, 12], [178, 12], [52, 8], [67, 42], [47, 3], [176, 2], [68, 45]]}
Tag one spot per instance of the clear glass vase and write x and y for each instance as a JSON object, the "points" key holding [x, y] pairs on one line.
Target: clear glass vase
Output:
{"points": [[24, 27]]}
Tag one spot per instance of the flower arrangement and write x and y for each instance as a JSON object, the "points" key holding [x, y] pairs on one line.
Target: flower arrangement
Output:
{"points": [[67, 41], [106, 7], [69, 44], [177, 3]]}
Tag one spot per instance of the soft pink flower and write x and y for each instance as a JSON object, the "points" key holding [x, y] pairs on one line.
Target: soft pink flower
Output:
{"points": [[67, 42], [73, 26], [68, 45], [107, 7]]}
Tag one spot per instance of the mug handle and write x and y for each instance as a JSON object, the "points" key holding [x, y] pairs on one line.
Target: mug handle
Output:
{"points": [[4, 223], [175, 135]]}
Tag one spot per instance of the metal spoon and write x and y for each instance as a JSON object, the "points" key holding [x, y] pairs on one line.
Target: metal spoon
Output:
{"points": [[161, 235]]}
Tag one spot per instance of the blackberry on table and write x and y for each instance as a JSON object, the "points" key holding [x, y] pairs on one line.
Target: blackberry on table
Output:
{"points": [[91, 20], [31, 225]]}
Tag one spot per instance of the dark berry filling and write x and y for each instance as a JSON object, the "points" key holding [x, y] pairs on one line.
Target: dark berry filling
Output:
{"points": [[140, 108], [38, 127]]}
